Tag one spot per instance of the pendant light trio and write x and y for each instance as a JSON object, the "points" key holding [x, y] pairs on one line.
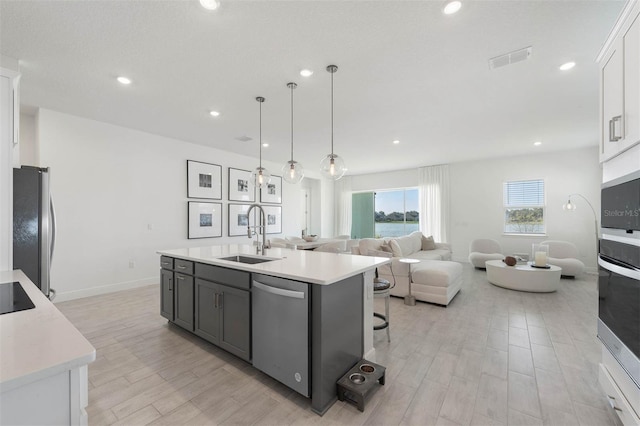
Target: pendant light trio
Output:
{"points": [[331, 166]]}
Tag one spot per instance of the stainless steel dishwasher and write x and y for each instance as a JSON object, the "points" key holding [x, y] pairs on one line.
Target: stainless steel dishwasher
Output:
{"points": [[280, 330]]}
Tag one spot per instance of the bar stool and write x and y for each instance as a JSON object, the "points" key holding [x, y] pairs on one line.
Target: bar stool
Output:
{"points": [[381, 290]]}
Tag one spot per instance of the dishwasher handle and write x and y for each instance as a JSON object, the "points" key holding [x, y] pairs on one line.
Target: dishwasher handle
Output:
{"points": [[278, 291]]}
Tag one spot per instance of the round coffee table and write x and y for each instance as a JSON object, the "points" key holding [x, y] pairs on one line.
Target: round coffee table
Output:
{"points": [[523, 277]]}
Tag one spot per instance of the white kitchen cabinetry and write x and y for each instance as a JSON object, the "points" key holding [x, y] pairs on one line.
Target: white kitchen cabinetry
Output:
{"points": [[620, 84]]}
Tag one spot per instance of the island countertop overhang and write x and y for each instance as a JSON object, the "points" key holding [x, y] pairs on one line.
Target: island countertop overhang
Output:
{"points": [[301, 265]]}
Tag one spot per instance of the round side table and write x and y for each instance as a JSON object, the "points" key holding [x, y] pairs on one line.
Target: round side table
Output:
{"points": [[409, 299]]}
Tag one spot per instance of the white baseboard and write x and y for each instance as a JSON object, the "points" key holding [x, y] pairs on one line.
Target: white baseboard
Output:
{"points": [[591, 270], [110, 288]]}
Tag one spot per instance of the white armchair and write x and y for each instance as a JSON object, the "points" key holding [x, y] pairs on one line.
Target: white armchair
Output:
{"points": [[481, 250], [565, 255]]}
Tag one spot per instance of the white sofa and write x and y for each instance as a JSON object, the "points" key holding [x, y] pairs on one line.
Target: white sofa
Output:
{"points": [[435, 279]]}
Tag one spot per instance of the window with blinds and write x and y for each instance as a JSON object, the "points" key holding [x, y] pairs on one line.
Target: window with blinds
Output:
{"points": [[524, 207]]}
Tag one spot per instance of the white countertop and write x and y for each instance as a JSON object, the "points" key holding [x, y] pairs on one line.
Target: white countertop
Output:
{"points": [[37, 343], [301, 265]]}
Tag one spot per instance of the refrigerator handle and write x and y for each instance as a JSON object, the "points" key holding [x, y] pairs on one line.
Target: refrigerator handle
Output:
{"points": [[53, 228]]}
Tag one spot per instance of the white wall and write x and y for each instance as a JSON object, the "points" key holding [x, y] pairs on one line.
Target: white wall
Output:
{"points": [[476, 200], [120, 196], [28, 141], [387, 180]]}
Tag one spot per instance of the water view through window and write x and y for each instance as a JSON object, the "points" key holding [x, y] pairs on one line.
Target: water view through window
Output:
{"points": [[396, 212]]}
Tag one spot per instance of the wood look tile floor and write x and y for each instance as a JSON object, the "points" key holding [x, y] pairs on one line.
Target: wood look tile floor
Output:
{"points": [[493, 357]]}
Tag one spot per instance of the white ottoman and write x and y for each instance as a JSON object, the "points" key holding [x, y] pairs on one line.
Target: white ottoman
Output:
{"points": [[436, 281]]}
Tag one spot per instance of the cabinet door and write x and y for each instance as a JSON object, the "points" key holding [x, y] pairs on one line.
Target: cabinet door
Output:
{"points": [[166, 294], [631, 47], [612, 103], [183, 304], [207, 315], [235, 333]]}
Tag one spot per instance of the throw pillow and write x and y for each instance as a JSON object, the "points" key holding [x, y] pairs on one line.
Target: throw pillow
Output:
{"points": [[386, 247], [428, 243], [395, 248]]}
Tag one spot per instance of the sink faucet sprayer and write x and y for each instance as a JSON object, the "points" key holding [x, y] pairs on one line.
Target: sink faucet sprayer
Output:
{"points": [[259, 247]]}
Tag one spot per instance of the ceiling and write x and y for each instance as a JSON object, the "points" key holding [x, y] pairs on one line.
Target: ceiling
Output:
{"points": [[406, 72]]}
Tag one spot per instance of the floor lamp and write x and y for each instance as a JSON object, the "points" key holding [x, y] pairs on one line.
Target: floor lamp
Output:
{"points": [[570, 206]]}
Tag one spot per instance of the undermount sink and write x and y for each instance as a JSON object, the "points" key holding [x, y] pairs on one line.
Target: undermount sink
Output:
{"points": [[247, 259]]}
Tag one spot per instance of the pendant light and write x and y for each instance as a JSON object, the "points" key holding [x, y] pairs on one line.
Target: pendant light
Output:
{"points": [[260, 177], [292, 171], [332, 166]]}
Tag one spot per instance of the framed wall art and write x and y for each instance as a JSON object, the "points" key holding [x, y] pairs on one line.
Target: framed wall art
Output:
{"points": [[274, 219], [204, 180], [205, 220], [273, 192], [239, 188], [238, 219]]}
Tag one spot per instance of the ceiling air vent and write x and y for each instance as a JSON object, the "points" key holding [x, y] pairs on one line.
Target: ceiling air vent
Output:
{"points": [[510, 58], [243, 138]]}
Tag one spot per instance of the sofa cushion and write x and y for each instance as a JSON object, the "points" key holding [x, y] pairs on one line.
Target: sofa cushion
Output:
{"points": [[437, 254], [428, 243], [367, 244], [407, 245], [395, 248]]}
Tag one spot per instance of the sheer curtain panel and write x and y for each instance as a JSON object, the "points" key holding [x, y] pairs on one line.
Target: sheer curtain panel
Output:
{"points": [[434, 202], [343, 203]]}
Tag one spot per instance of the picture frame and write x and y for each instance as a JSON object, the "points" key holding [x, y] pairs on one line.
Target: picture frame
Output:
{"points": [[238, 219], [205, 220], [204, 180], [239, 187], [273, 192], [274, 219]]}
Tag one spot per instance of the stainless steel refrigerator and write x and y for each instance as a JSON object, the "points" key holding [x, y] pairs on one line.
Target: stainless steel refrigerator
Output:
{"points": [[34, 226]]}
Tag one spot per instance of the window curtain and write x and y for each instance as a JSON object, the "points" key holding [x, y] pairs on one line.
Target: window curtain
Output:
{"points": [[343, 204], [434, 202]]}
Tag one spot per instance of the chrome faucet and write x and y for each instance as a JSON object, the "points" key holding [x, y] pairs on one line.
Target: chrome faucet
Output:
{"points": [[260, 248]]}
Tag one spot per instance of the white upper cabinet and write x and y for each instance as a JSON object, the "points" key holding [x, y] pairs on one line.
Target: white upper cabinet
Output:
{"points": [[620, 85]]}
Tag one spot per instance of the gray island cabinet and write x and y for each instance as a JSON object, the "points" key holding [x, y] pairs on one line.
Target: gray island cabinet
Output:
{"points": [[214, 299]]}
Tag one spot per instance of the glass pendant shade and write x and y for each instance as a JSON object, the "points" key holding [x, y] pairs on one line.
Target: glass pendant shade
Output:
{"points": [[260, 177], [292, 172], [332, 167], [568, 206]]}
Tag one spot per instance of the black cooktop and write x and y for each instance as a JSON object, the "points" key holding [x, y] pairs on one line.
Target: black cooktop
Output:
{"points": [[13, 298]]}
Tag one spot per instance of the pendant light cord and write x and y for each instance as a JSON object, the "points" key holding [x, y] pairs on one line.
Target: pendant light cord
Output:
{"points": [[292, 87], [260, 142], [332, 113]]}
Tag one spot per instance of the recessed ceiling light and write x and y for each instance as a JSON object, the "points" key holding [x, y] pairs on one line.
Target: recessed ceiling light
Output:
{"points": [[266, 145], [396, 142], [306, 73], [452, 7], [567, 66], [537, 143], [124, 80], [214, 113], [210, 4]]}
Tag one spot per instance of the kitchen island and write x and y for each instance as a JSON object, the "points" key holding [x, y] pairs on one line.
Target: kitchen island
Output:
{"points": [[43, 363], [302, 317]]}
